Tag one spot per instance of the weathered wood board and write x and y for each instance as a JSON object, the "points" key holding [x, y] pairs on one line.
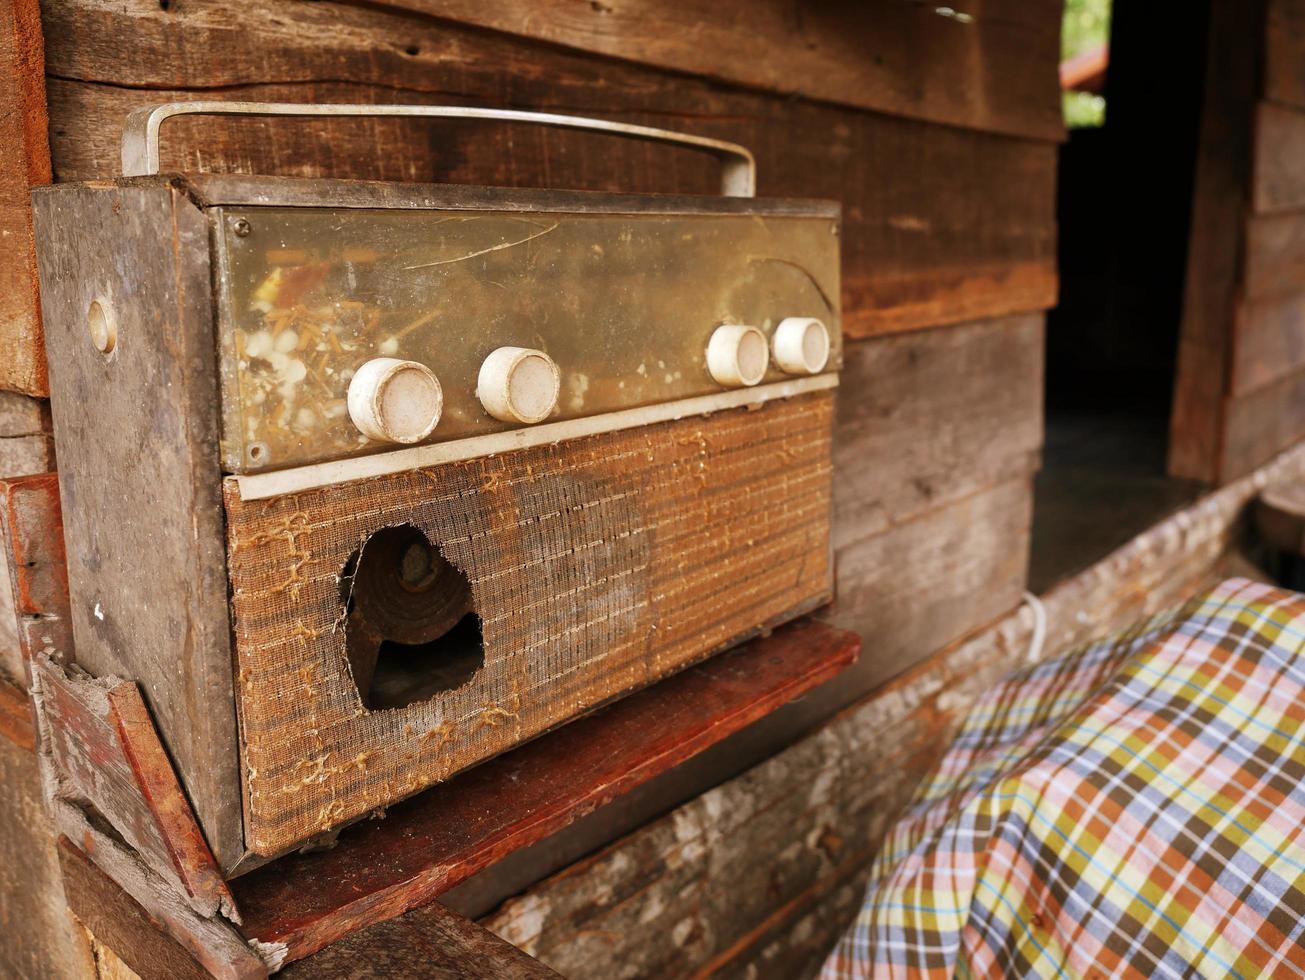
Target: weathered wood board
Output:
{"points": [[105, 752], [1221, 196], [33, 574], [427, 942], [118, 922], [759, 876], [170, 633], [988, 67], [964, 230], [24, 163], [38, 934], [1278, 184]]}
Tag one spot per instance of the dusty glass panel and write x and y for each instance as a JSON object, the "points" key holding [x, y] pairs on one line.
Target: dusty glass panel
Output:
{"points": [[623, 303]]}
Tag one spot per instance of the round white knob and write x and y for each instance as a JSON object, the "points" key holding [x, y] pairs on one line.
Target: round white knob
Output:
{"points": [[395, 401], [517, 384], [737, 355], [801, 345]]}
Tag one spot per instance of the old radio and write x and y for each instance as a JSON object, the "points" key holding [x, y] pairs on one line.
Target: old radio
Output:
{"points": [[364, 482]]}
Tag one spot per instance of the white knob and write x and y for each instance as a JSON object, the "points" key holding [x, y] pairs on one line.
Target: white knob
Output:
{"points": [[395, 401], [517, 384], [801, 345], [737, 355]]}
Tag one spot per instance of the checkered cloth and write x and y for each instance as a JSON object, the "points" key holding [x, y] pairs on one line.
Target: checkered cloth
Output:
{"points": [[1135, 808]]}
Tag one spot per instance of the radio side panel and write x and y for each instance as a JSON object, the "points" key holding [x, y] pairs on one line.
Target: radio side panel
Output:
{"points": [[126, 267]]}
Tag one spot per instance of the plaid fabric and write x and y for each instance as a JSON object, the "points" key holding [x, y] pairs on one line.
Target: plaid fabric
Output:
{"points": [[1135, 808]]}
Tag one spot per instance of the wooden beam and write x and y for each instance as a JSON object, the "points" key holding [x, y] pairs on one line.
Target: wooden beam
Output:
{"points": [[24, 164], [428, 844], [1218, 228]]}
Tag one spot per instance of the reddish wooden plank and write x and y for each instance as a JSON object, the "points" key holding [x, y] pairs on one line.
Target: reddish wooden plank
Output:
{"points": [[430, 843], [104, 750], [31, 524], [16, 717], [24, 163]]}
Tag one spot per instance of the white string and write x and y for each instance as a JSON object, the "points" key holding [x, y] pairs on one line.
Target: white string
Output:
{"points": [[1039, 628]]}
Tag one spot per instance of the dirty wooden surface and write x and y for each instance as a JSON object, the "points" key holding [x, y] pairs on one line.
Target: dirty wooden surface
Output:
{"points": [[105, 752], [24, 163], [964, 230], [120, 923], [34, 572], [431, 942], [146, 480], [429, 844], [39, 940], [760, 875], [989, 68]]}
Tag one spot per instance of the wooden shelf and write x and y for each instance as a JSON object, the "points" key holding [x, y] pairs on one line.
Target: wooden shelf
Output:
{"points": [[424, 846]]}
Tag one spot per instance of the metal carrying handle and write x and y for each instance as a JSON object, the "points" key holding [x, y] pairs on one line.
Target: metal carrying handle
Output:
{"points": [[140, 134]]}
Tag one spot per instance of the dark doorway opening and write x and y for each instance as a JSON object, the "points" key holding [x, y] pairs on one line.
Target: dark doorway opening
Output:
{"points": [[1124, 213]]}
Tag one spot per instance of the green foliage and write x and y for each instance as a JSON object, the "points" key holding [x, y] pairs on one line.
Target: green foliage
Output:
{"points": [[1086, 25]]}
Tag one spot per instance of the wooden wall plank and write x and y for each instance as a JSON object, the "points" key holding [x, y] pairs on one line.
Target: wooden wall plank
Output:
{"points": [[991, 66], [1268, 342], [24, 163], [1279, 182], [1219, 210], [932, 580], [38, 935], [941, 225], [925, 419], [759, 876], [1262, 423], [1284, 58], [1275, 255]]}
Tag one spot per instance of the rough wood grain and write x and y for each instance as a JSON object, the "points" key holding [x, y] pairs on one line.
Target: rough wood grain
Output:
{"points": [[213, 942], [147, 484], [427, 942], [1218, 226], [26, 445], [990, 68], [927, 418], [106, 754], [38, 935], [965, 229], [120, 923], [432, 842], [35, 572], [760, 875], [24, 163], [932, 580]]}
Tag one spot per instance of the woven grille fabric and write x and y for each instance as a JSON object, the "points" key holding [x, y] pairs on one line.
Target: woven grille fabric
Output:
{"points": [[1134, 808]]}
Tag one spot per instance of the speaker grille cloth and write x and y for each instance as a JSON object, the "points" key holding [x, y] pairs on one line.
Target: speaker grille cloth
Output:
{"points": [[597, 566]]}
